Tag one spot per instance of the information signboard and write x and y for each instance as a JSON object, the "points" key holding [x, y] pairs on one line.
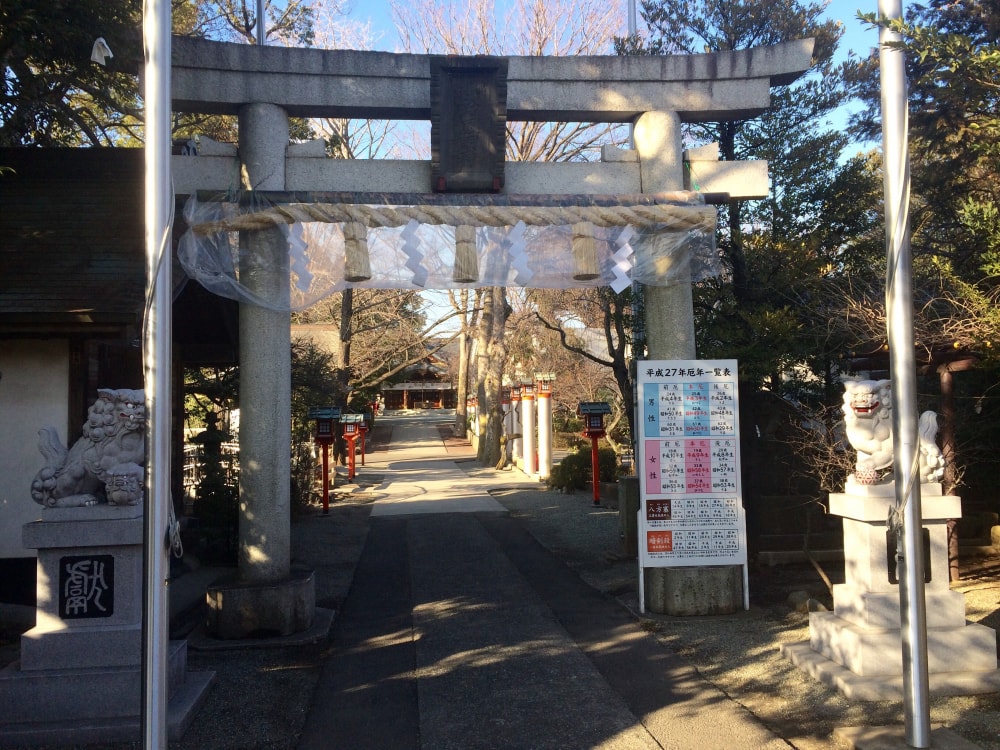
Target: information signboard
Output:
{"points": [[691, 496]]}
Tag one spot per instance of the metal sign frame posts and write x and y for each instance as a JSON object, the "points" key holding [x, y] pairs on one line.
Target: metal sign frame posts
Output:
{"points": [[690, 490]]}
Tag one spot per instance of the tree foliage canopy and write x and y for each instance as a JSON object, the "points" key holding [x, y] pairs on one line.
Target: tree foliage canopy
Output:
{"points": [[53, 94], [952, 58], [697, 26]]}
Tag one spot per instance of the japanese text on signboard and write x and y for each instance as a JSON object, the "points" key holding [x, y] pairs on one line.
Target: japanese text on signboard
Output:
{"points": [[690, 489]]}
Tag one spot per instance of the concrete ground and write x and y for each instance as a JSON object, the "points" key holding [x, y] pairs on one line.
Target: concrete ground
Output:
{"points": [[474, 608]]}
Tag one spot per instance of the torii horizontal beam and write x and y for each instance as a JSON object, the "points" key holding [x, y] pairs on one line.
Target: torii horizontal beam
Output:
{"points": [[219, 77]]}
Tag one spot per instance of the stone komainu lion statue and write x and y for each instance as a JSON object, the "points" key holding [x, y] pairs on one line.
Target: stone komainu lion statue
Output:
{"points": [[102, 466], [868, 422]]}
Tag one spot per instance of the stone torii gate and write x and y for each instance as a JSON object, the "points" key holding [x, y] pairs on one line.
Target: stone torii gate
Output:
{"points": [[264, 86]]}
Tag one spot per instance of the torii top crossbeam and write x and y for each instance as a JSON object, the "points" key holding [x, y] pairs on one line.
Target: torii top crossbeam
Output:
{"points": [[218, 78], [214, 77]]}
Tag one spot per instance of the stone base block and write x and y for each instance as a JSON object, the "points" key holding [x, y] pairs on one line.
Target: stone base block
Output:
{"points": [[97, 694], [99, 731], [81, 648], [884, 687], [869, 651], [238, 609], [201, 640], [90, 513], [894, 736], [684, 592], [945, 609]]}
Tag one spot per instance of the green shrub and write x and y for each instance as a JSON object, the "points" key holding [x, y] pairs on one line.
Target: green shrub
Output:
{"points": [[574, 472], [571, 473], [607, 465]]}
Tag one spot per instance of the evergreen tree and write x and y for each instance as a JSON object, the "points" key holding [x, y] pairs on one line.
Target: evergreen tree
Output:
{"points": [[53, 93], [785, 255], [952, 57], [952, 53]]}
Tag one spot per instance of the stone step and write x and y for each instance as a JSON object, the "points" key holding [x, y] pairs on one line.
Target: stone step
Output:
{"points": [[875, 651]]}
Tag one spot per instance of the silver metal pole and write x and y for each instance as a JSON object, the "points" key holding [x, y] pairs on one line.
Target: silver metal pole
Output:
{"points": [[632, 30], [261, 35], [899, 319], [156, 364]]}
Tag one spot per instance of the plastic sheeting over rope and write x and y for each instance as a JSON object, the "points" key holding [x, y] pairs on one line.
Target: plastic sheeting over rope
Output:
{"points": [[446, 241]]}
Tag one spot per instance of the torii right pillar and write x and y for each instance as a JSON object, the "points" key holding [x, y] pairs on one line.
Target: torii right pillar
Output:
{"points": [[669, 321]]}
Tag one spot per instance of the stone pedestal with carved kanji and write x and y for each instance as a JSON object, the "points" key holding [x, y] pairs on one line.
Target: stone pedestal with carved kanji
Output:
{"points": [[79, 676]]}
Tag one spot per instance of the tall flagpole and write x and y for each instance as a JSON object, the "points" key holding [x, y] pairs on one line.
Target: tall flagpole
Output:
{"points": [[633, 29], [906, 517], [156, 375]]}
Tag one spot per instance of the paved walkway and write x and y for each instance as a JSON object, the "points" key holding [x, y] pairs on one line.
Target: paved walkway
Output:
{"points": [[461, 631], [420, 477]]}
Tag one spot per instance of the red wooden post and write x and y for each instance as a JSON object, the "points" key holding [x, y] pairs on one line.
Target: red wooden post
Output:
{"points": [[363, 429], [350, 456], [353, 427], [326, 478], [595, 467]]}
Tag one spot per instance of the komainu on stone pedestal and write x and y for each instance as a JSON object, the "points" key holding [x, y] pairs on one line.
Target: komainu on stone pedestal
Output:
{"points": [[103, 466], [858, 647], [868, 423]]}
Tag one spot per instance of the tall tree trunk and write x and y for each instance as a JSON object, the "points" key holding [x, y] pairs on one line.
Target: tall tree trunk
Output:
{"points": [[736, 254], [343, 360], [464, 345], [492, 354]]}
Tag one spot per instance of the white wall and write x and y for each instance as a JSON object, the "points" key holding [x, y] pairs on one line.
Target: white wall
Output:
{"points": [[34, 381]]}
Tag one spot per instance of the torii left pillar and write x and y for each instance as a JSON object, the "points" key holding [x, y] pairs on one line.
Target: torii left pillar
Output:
{"points": [[267, 595]]}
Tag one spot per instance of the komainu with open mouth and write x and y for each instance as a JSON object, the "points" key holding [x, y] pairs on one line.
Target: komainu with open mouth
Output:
{"points": [[103, 466], [868, 421]]}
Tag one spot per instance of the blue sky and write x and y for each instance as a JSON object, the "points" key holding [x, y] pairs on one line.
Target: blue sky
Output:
{"points": [[856, 36]]}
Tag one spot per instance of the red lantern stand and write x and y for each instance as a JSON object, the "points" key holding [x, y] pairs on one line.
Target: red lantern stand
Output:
{"points": [[325, 416], [593, 427], [352, 430]]}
